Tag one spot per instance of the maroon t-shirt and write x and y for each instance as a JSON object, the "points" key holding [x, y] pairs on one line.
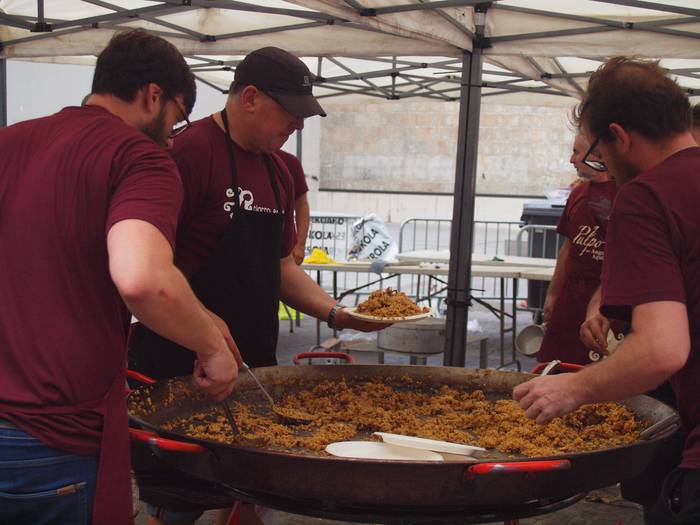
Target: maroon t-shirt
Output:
{"points": [[584, 223], [65, 180], [653, 254], [201, 154], [296, 170]]}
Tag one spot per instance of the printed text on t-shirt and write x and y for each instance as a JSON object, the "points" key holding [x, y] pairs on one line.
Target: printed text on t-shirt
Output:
{"points": [[587, 239], [246, 201]]}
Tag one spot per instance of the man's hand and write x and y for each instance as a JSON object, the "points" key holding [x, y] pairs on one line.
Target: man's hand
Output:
{"points": [[594, 333], [223, 328], [548, 308], [344, 320], [545, 398], [298, 253], [216, 373]]}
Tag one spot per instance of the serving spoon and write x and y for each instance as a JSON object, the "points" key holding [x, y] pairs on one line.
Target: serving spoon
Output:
{"points": [[288, 415]]}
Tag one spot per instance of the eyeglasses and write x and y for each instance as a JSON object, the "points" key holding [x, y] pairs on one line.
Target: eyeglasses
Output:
{"points": [[597, 165], [182, 125]]}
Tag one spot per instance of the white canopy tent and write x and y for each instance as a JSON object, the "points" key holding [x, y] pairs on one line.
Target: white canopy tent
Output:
{"points": [[442, 49]]}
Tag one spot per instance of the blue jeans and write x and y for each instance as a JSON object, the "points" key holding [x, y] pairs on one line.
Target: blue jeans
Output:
{"points": [[40, 485]]}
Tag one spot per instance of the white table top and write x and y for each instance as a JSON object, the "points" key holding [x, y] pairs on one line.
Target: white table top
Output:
{"points": [[443, 256], [478, 270]]}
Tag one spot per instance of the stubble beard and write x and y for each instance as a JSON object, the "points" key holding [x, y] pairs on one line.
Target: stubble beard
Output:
{"points": [[156, 129]]}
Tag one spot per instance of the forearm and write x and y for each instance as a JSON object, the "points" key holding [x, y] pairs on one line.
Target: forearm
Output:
{"points": [[657, 347], [593, 307], [155, 291], [631, 370], [299, 291], [169, 308]]}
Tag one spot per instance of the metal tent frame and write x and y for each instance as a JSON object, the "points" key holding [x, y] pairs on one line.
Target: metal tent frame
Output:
{"points": [[449, 50]]}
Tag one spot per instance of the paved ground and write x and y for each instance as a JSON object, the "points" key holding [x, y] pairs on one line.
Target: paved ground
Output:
{"points": [[599, 508]]}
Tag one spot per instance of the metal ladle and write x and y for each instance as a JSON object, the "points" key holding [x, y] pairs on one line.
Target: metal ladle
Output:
{"points": [[284, 415]]}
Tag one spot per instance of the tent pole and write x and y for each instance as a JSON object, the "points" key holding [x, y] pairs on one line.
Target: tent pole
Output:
{"points": [[3, 92], [459, 278], [299, 144]]}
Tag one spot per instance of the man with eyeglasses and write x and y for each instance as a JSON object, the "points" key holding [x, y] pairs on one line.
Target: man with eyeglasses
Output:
{"points": [[89, 203], [236, 235], [641, 120], [580, 260]]}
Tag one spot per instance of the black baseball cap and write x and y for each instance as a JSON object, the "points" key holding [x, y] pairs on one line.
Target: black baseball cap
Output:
{"points": [[283, 77]]}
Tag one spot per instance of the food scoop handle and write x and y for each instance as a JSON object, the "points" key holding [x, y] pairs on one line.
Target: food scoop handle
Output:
{"points": [[267, 395]]}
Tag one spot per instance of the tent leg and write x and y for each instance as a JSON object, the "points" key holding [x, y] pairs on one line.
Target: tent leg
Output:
{"points": [[459, 277], [299, 144], [3, 92]]}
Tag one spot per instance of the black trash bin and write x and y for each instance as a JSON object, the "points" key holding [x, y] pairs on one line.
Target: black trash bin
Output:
{"points": [[543, 243]]}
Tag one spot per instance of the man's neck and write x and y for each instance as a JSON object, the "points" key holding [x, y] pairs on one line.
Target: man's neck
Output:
{"points": [[117, 107], [236, 128], [651, 153]]}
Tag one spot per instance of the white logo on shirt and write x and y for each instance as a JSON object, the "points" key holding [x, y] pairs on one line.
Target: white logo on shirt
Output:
{"points": [[246, 200], [589, 242]]}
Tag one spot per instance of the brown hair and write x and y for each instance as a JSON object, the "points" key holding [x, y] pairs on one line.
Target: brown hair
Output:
{"points": [[135, 58], [638, 95], [696, 116]]}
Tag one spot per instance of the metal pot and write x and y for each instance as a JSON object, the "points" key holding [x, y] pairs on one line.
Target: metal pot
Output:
{"points": [[362, 486], [529, 340]]}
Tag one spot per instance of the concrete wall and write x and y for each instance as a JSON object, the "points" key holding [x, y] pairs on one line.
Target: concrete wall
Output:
{"points": [[411, 146]]}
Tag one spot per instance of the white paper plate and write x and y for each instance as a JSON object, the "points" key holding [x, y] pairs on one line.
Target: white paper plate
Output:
{"points": [[428, 444], [374, 450], [385, 320]]}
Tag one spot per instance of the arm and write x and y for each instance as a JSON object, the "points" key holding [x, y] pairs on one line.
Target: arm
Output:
{"points": [[226, 333], [299, 291], [302, 215], [657, 347], [594, 330], [155, 291], [557, 280]]}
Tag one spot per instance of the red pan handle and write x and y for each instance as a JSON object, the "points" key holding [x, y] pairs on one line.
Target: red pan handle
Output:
{"points": [[561, 367], [170, 445], [136, 376], [481, 469], [306, 355]]}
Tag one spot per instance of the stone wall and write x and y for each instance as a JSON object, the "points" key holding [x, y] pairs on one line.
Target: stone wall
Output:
{"points": [[411, 146]]}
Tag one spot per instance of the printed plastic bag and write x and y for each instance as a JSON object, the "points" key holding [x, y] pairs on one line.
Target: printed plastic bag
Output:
{"points": [[371, 241]]}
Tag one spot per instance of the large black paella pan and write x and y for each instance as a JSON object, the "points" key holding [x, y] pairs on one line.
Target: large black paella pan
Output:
{"points": [[317, 482]]}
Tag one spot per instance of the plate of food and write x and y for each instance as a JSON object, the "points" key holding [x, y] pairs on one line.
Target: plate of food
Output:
{"points": [[387, 307]]}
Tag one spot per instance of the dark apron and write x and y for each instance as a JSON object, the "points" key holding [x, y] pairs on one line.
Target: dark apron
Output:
{"points": [[561, 339], [239, 282]]}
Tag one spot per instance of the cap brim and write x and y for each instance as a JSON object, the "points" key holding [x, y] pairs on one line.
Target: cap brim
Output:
{"points": [[298, 105]]}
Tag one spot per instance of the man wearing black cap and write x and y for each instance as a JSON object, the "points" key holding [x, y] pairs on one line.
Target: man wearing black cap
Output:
{"points": [[236, 231]]}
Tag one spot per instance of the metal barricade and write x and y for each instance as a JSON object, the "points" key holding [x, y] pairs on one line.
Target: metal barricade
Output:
{"points": [[494, 238], [540, 241]]}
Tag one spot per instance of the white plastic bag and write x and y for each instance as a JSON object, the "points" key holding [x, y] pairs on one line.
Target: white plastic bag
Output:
{"points": [[371, 241]]}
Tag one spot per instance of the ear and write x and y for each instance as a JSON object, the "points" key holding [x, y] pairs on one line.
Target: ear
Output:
{"points": [[152, 98], [250, 98], [623, 140]]}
